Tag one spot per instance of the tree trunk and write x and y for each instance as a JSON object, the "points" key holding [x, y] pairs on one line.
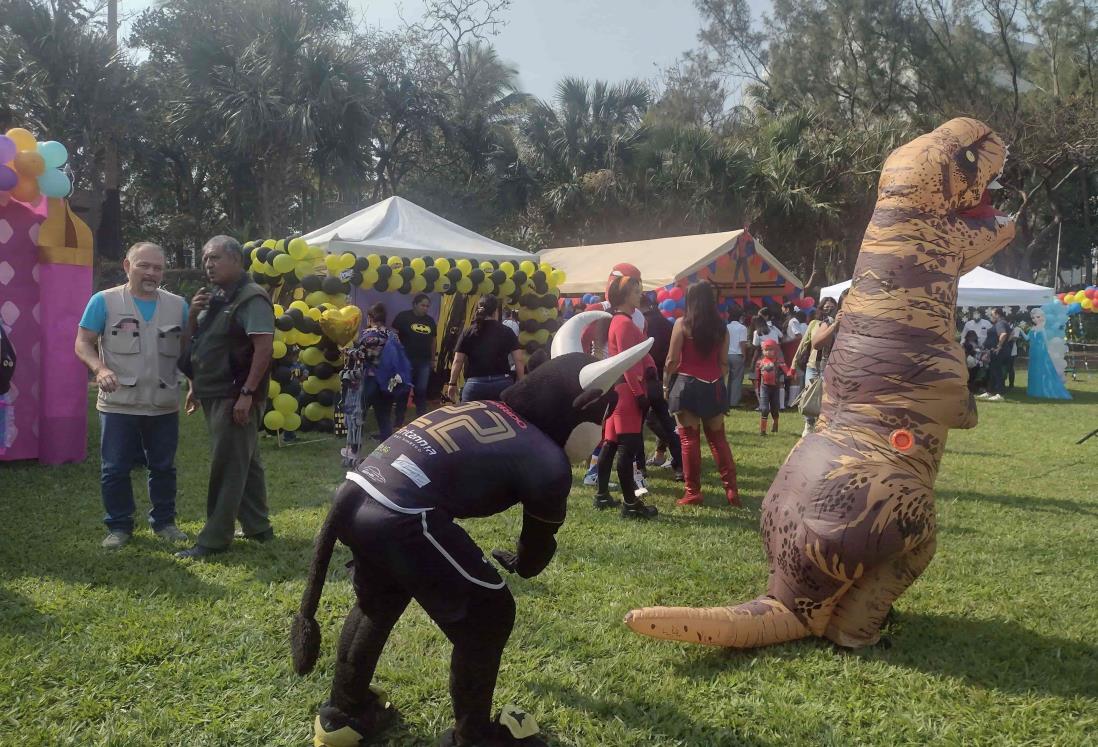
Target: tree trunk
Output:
{"points": [[1088, 259]]}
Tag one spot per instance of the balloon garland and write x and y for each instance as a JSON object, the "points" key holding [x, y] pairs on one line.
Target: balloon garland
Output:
{"points": [[30, 169], [1080, 301], [320, 319]]}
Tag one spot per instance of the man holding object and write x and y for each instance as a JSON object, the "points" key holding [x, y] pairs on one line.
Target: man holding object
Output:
{"points": [[232, 331]]}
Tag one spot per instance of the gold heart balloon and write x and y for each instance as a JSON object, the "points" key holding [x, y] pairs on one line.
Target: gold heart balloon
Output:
{"points": [[340, 325]]}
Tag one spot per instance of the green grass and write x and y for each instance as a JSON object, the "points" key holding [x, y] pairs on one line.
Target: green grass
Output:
{"points": [[996, 644]]}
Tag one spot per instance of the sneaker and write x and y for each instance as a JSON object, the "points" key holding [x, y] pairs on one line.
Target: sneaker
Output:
{"points": [[172, 533], [115, 540], [198, 552], [656, 460], [640, 484], [983, 395], [996, 398], [679, 477], [605, 500], [807, 429], [666, 464], [638, 510], [591, 479]]}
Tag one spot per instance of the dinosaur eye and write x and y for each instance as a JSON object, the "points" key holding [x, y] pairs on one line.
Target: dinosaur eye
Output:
{"points": [[970, 156]]}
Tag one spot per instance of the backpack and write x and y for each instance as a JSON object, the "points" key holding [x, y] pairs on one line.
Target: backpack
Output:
{"points": [[7, 362], [393, 370]]}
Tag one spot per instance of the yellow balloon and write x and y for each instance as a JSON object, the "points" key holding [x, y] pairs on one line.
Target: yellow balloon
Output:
{"points": [[528, 267], [273, 420], [507, 287], [557, 278], [278, 350], [270, 243], [313, 411], [1086, 303], [443, 265], [315, 299], [273, 389], [314, 314], [396, 262], [297, 248], [546, 268], [311, 356], [331, 261], [487, 266], [311, 385], [508, 268], [418, 265], [485, 288], [291, 422], [373, 261], [541, 335], [285, 403], [369, 278], [303, 268], [443, 284], [525, 337], [308, 339], [464, 285], [300, 306], [419, 284], [278, 310], [465, 266], [283, 264], [22, 138], [395, 281], [347, 260]]}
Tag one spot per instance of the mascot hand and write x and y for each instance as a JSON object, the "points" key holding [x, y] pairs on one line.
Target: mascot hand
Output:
{"points": [[507, 559]]}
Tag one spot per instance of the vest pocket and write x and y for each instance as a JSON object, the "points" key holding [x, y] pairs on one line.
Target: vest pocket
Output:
{"points": [[124, 337], [168, 338]]}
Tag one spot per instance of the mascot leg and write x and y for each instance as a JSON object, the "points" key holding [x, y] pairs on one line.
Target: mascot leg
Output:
{"points": [[479, 638], [760, 622], [858, 616], [356, 711]]}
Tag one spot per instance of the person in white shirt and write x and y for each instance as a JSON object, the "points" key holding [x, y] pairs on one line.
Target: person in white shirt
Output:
{"points": [[738, 350], [978, 324]]}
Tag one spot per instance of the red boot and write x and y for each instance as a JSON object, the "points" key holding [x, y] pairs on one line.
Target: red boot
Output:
{"points": [[690, 437], [726, 465]]}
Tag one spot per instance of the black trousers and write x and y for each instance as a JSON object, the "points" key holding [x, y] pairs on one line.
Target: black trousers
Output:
{"points": [[662, 425], [627, 448]]}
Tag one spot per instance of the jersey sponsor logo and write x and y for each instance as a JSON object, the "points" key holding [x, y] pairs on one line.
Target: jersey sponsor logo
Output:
{"points": [[371, 471], [420, 444], [381, 449], [411, 470], [457, 418], [420, 328], [511, 414]]}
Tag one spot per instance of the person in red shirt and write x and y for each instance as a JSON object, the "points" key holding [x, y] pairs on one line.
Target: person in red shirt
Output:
{"points": [[694, 376], [622, 430], [769, 372]]}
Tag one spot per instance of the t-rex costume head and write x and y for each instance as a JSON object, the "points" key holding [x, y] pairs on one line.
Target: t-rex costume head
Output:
{"points": [[849, 520]]}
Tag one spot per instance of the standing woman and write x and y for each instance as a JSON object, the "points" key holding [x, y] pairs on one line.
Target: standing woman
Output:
{"points": [[622, 430], [375, 387], [820, 335], [481, 352], [698, 365]]}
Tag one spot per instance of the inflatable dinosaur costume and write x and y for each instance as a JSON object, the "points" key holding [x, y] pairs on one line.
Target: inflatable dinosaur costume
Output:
{"points": [[849, 521]]}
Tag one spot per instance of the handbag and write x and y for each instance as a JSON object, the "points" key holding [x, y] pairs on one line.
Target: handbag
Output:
{"points": [[810, 399], [804, 349]]}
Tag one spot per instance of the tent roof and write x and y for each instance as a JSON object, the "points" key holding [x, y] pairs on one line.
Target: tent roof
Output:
{"points": [[662, 262], [982, 287], [397, 226]]}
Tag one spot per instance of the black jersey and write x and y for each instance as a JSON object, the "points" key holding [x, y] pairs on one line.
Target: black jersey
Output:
{"points": [[473, 459]]}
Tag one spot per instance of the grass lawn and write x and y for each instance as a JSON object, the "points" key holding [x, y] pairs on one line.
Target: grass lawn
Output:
{"points": [[996, 644]]}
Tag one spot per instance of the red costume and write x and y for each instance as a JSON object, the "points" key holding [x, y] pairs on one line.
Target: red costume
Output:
{"points": [[627, 416]]}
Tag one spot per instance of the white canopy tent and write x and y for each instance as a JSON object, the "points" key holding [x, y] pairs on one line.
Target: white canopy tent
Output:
{"points": [[397, 226], [982, 287]]}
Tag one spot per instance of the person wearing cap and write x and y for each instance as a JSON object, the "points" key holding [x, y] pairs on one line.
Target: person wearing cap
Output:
{"points": [[129, 337], [769, 370], [228, 363], [622, 430]]}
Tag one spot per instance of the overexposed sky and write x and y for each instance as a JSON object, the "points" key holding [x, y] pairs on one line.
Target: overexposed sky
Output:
{"points": [[550, 39]]}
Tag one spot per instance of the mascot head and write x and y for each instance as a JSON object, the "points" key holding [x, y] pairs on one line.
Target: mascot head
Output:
{"points": [[568, 395]]}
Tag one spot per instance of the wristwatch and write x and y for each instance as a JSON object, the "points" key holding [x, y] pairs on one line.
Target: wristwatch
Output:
{"points": [[246, 392]]}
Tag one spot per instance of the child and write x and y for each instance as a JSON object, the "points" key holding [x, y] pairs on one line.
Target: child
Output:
{"points": [[769, 370]]}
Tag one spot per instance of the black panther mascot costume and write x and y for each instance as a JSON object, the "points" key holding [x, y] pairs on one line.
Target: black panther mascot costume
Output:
{"points": [[396, 512]]}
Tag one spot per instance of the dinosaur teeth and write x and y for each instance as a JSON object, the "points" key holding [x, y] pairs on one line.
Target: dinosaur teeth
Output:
{"points": [[1002, 220], [995, 184]]}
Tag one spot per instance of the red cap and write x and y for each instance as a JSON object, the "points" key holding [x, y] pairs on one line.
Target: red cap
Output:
{"points": [[618, 273], [769, 342]]}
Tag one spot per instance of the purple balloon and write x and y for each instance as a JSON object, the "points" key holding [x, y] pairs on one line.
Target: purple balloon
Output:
{"points": [[7, 149], [8, 178]]}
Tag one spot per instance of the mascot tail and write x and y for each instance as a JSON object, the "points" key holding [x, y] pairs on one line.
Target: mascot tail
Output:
{"points": [[304, 631], [763, 621]]}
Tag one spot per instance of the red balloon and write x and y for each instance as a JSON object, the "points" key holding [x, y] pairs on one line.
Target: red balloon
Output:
{"points": [[678, 313], [676, 293], [661, 295]]}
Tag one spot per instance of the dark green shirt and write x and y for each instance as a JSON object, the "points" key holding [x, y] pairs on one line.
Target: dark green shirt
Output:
{"points": [[221, 352]]}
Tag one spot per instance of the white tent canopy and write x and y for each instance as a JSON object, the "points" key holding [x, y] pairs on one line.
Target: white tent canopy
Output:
{"points": [[399, 227], [982, 287], [661, 262]]}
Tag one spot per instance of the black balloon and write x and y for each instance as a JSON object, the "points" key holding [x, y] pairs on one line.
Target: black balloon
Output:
{"points": [[362, 264], [406, 287], [326, 397], [296, 313], [519, 277], [326, 425], [384, 272], [531, 347], [407, 273], [477, 276], [332, 285], [381, 285], [285, 322], [263, 254], [454, 274], [312, 283], [356, 277], [282, 374], [498, 277], [528, 325], [260, 278], [323, 370], [291, 388], [431, 275]]}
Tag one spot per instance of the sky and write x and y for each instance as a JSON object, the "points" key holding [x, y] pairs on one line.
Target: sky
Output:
{"points": [[550, 39]]}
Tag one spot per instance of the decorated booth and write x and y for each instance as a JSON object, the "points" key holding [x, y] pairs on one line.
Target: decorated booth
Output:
{"points": [[323, 282], [45, 279], [739, 265]]}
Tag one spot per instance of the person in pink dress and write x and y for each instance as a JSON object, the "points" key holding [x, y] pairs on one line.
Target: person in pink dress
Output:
{"points": [[694, 376], [622, 429]]}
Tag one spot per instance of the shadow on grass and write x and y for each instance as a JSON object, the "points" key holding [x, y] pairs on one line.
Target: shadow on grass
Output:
{"points": [[992, 654], [1026, 502], [642, 712]]}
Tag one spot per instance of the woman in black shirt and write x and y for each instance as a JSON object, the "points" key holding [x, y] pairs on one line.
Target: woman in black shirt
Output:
{"points": [[482, 352]]}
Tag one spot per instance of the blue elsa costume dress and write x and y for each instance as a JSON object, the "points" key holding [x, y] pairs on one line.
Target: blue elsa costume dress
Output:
{"points": [[1044, 381]]}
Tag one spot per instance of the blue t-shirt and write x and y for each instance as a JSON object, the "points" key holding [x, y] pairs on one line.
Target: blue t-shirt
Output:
{"points": [[95, 315]]}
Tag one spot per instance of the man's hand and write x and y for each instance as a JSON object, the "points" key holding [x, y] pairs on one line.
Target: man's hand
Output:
{"points": [[106, 380], [200, 302], [242, 409], [191, 405], [506, 559]]}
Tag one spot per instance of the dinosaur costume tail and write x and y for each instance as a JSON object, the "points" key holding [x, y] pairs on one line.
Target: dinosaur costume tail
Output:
{"points": [[761, 622], [304, 631]]}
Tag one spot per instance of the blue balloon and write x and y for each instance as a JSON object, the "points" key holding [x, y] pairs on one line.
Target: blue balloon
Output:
{"points": [[1075, 308], [53, 153], [667, 304], [54, 183]]}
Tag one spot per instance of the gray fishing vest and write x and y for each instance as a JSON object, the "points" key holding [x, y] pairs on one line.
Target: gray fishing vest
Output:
{"points": [[142, 354]]}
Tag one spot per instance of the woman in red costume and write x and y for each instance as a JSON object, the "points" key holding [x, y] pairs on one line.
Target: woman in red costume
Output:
{"points": [[622, 430], [698, 366]]}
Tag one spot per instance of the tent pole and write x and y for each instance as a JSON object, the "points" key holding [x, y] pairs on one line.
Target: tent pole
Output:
{"points": [[1056, 272]]}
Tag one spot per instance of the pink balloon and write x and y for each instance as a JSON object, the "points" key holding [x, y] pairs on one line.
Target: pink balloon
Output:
{"points": [[8, 178]]}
